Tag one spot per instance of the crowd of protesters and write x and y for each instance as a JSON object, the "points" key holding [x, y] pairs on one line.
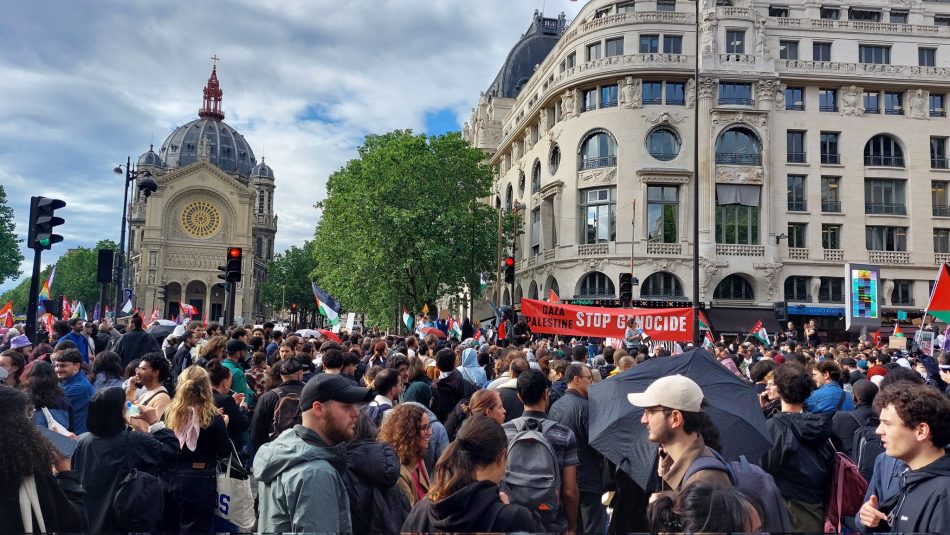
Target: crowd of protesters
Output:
{"points": [[388, 434]]}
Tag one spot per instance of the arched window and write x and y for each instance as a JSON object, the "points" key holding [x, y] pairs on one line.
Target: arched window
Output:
{"points": [[498, 203], [883, 150], [596, 284], [519, 293], [663, 144], [661, 284], [739, 145], [536, 177], [554, 161], [533, 290], [509, 198], [734, 287], [552, 285], [798, 289], [598, 150]]}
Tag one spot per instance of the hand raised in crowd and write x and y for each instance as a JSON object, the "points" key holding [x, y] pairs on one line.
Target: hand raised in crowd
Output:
{"points": [[869, 513], [131, 391]]}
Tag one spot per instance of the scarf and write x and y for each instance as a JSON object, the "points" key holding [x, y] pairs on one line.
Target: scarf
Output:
{"points": [[189, 435]]}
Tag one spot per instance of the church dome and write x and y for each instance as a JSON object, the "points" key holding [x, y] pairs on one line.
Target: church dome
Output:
{"points": [[150, 158], [226, 148], [262, 170]]}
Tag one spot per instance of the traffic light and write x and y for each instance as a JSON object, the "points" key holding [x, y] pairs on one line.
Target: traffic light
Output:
{"points": [[626, 289], [293, 308], [509, 269], [231, 270], [42, 221]]}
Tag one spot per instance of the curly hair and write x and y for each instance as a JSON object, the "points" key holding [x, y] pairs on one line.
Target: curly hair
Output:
{"points": [[794, 384], [192, 391], [42, 386], [401, 429], [214, 348], [25, 451], [917, 404]]}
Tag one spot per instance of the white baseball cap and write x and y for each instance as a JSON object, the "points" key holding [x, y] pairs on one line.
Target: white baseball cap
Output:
{"points": [[672, 392]]}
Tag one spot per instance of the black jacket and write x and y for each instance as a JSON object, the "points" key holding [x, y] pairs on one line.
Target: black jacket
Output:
{"points": [[923, 504], [514, 408], [133, 344], [447, 392], [181, 360], [475, 508], [376, 503], [844, 424], [800, 457], [61, 502], [238, 420], [263, 420]]}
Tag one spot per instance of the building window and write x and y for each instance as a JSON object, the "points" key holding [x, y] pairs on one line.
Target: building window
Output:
{"points": [[936, 106], [927, 57], [940, 199], [737, 214], [662, 214], [598, 213], [652, 93], [797, 288], [521, 184], [590, 99], [788, 49], [903, 293], [663, 144], [938, 152], [666, 5], [554, 160], [893, 103], [598, 150], [614, 47], [735, 41], [536, 229], [872, 102], [941, 21], [739, 145], [735, 288], [536, 177], [661, 284], [885, 238], [830, 236], [829, 148], [827, 100], [795, 146], [874, 54], [795, 98], [830, 194], [942, 240], [625, 7], [259, 250], [593, 52], [796, 193], [778, 11], [883, 150], [884, 196], [898, 17], [796, 235], [831, 290], [608, 96], [821, 51], [571, 60], [596, 284], [602, 12], [830, 13], [675, 94], [734, 93], [864, 14], [509, 198], [649, 44], [672, 44]]}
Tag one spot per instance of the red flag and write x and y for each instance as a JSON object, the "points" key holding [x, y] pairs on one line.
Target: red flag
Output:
{"points": [[552, 297], [876, 337], [67, 311], [501, 331]]}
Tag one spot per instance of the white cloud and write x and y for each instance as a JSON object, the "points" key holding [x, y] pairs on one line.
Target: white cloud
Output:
{"points": [[304, 82]]}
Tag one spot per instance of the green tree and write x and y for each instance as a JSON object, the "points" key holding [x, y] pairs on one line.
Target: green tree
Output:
{"points": [[401, 224], [10, 255], [288, 280]]}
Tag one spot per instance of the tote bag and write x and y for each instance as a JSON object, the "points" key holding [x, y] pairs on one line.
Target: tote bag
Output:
{"points": [[235, 503]]}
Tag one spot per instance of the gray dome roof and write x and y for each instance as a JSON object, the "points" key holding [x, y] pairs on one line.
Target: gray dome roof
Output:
{"points": [[150, 158], [228, 150], [262, 170], [529, 52]]}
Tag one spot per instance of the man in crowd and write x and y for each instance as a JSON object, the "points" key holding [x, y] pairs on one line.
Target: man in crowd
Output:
{"points": [[301, 489], [508, 391], [845, 423], [387, 386], [147, 390], [277, 337], [75, 385], [135, 342], [78, 336], [183, 358], [580, 355], [263, 424], [451, 387], [828, 397], [236, 350]]}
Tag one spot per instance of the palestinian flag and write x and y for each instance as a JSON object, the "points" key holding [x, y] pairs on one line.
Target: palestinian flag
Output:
{"points": [[483, 281], [552, 297], [704, 322], [327, 305], [407, 318], [897, 330], [455, 328], [758, 331], [939, 306], [708, 343]]}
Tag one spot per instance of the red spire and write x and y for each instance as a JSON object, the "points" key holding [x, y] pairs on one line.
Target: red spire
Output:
{"points": [[212, 97]]}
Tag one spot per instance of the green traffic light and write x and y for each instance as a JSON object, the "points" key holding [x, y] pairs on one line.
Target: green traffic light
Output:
{"points": [[44, 242]]}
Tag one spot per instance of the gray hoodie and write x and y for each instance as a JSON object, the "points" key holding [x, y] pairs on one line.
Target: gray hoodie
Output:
{"points": [[300, 487]]}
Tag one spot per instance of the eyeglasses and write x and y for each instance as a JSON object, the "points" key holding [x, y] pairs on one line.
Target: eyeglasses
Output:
{"points": [[427, 428], [652, 410]]}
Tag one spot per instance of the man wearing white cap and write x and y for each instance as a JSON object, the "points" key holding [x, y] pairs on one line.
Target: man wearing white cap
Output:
{"points": [[673, 415]]}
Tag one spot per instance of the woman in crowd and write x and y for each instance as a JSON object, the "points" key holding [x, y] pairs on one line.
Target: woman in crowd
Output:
{"points": [[470, 368], [769, 399], [464, 496], [190, 496], [407, 429], [229, 403], [26, 454], [377, 505], [419, 387], [107, 371], [484, 402], [257, 374], [213, 349], [704, 508], [109, 450], [13, 362], [45, 393]]}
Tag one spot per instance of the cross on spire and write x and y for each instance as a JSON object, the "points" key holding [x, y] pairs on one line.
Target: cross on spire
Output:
{"points": [[211, 107]]}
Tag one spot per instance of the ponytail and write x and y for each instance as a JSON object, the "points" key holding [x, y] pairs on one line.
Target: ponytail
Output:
{"points": [[479, 442]]}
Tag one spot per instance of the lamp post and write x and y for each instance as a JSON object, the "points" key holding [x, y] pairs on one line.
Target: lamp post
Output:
{"points": [[697, 338], [147, 186]]}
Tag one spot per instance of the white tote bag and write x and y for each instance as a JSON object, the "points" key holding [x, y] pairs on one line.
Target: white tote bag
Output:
{"points": [[53, 425], [30, 505], [235, 502]]}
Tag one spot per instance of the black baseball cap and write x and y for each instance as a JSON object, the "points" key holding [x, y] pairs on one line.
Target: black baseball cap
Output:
{"points": [[234, 345], [326, 387], [290, 367]]}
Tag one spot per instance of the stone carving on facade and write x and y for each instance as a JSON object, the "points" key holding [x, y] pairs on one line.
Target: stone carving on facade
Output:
{"points": [[631, 96], [758, 120], [708, 87], [569, 104], [204, 150], [708, 33], [771, 269], [765, 95], [516, 152], [917, 104], [740, 175], [666, 264], [710, 268], [690, 93], [779, 96], [761, 40], [553, 135], [467, 132], [543, 121], [527, 140], [852, 100], [593, 177], [664, 117]]}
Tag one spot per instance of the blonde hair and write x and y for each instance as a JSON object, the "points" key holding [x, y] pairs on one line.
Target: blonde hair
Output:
{"points": [[193, 390]]}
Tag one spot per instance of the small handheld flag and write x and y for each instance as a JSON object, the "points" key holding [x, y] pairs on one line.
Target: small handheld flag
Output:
{"points": [[407, 318], [758, 331], [327, 305]]}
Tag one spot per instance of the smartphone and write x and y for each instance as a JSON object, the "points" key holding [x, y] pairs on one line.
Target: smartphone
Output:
{"points": [[65, 445]]}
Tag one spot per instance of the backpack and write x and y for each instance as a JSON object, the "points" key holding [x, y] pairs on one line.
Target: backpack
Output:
{"points": [[865, 448], [532, 475], [845, 495], [286, 413], [376, 411], [138, 502], [755, 483]]}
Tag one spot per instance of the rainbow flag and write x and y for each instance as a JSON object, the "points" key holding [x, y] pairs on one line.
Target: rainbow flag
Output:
{"points": [[47, 284]]}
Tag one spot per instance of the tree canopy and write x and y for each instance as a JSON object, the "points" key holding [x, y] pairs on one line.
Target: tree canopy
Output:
{"points": [[288, 280], [10, 255], [401, 225]]}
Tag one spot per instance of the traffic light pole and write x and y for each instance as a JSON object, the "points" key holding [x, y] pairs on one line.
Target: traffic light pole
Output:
{"points": [[34, 297], [229, 313]]}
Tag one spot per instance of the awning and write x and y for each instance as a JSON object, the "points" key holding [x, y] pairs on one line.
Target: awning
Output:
{"points": [[739, 321]]}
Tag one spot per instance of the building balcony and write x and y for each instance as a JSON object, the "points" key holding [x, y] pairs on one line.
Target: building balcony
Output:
{"points": [[828, 108], [889, 257], [939, 163], [830, 159], [903, 302], [609, 104], [863, 26], [735, 101], [732, 158], [798, 253], [795, 157], [729, 249], [941, 258], [652, 101], [664, 249], [938, 113], [593, 249], [795, 107], [834, 255], [884, 161], [863, 70], [797, 206], [550, 254], [596, 163], [589, 107], [886, 209], [831, 206], [941, 211], [662, 293], [748, 59]]}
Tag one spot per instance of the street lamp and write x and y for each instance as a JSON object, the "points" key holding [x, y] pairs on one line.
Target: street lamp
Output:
{"points": [[147, 186]]}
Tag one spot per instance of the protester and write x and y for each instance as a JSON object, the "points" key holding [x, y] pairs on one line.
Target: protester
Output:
{"points": [[264, 426], [236, 351], [703, 507], [13, 363], [214, 348], [28, 457], [407, 430], [257, 374], [769, 400], [845, 423], [464, 496], [106, 371], [232, 406], [450, 388], [45, 392], [182, 358], [419, 387], [301, 489], [147, 388], [508, 390], [470, 369], [484, 402], [75, 385], [387, 387], [135, 342], [829, 397]]}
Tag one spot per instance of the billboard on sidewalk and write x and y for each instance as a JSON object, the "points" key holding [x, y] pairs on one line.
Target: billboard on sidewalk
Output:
{"points": [[862, 297]]}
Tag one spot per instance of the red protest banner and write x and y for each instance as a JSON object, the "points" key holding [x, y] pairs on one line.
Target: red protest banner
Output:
{"points": [[674, 324]]}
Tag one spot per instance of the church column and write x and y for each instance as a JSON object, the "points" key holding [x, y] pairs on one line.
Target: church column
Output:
{"points": [[206, 311], [707, 167]]}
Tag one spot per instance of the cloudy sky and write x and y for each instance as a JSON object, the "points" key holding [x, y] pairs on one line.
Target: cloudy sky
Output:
{"points": [[86, 84]]}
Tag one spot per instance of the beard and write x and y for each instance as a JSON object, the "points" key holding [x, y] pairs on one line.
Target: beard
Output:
{"points": [[337, 432]]}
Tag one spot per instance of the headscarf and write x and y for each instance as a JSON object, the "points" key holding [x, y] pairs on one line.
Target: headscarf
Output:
{"points": [[471, 370], [189, 435]]}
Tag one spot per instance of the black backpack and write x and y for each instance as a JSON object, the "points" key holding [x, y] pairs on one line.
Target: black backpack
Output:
{"points": [[376, 410], [138, 502], [286, 413], [866, 447]]}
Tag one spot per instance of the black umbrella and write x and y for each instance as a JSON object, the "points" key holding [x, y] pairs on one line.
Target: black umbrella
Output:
{"points": [[160, 331], [616, 431]]}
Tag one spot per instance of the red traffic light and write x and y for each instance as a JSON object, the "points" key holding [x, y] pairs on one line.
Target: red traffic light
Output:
{"points": [[509, 260], [234, 252]]}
